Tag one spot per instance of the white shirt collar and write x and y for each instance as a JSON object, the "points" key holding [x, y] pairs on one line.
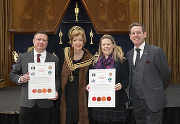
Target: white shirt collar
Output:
{"points": [[141, 47], [43, 54], [42, 57]]}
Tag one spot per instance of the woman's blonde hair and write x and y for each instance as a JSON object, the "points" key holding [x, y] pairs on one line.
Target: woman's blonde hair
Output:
{"points": [[118, 54], [75, 31]]}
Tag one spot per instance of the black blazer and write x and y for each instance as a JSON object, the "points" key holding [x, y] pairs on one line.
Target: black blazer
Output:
{"points": [[122, 77]]}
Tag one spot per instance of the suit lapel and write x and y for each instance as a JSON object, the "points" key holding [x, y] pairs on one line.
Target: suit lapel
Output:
{"points": [[131, 59], [47, 57], [31, 57], [144, 57]]}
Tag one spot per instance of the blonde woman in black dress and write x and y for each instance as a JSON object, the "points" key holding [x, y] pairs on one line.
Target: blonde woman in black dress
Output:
{"points": [[111, 56]]}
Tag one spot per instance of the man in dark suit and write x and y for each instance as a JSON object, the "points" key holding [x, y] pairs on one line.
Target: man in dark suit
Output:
{"points": [[149, 77], [31, 109]]}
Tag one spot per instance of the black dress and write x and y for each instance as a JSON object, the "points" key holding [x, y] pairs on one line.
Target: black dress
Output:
{"points": [[72, 100]]}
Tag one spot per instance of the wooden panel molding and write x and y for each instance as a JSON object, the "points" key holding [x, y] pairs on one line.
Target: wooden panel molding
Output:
{"points": [[34, 15], [112, 16], [107, 16]]}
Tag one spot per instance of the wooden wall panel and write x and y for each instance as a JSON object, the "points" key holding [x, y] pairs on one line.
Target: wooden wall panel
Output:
{"points": [[8, 82], [107, 16], [34, 15], [112, 16]]}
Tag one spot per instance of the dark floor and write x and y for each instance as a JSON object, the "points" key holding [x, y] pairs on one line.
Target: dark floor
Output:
{"points": [[10, 96], [173, 95], [9, 99]]}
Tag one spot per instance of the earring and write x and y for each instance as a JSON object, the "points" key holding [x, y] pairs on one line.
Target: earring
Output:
{"points": [[72, 45]]}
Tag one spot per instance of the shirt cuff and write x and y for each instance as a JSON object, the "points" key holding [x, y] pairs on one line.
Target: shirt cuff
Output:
{"points": [[19, 80]]}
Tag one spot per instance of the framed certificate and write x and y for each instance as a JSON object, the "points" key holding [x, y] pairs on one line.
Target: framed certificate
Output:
{"points": [[101, 92], [42, 80]]}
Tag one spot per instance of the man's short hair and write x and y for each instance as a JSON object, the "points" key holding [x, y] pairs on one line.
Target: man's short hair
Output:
{"points": [[137, 24], [40, 32]]}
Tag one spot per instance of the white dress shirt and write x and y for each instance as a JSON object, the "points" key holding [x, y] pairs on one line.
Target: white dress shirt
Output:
{"points": [[42, 57], [135, 52]]}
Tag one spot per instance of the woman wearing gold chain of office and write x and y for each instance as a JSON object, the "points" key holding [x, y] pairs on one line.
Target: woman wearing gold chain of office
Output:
{"points": [[74, 63]]}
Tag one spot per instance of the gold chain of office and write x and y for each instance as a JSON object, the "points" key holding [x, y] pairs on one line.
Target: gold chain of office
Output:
{"points": [[72, 66]]}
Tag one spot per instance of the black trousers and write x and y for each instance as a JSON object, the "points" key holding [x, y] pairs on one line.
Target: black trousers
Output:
{"points": [[35, 114], [143, 115]]}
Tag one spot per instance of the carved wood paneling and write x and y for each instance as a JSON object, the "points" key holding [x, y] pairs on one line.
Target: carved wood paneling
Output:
{"points": [[35, 15], [107, 16], [112, 16]]}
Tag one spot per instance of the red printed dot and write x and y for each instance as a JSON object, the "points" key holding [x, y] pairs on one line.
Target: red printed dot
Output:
{"points": [[103, 98], [49, 90], [99, 99], [39, 91], [108, 98], [94, 99], [44, 90], [34, 90]]}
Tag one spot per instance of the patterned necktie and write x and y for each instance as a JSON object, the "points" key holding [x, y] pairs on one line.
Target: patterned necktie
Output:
{"points": [[138, 56], [38, 59]]}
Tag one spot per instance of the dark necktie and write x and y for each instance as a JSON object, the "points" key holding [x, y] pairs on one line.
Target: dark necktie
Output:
{"points": [[38, 59], [138, 56]]}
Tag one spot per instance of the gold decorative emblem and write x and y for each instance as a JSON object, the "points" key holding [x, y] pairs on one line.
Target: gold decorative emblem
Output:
{"points": [[91, 35], [30, 49], [15, 55], [76, 10], [110, 74], [50, 67], [54, 54], [71, 77], [60, 36]]}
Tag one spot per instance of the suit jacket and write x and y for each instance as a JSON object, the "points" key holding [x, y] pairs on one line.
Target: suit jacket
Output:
{"points": [[122, 77], [155, 76], [21, 67]]}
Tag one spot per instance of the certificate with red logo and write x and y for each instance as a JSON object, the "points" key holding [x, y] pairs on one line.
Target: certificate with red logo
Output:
{"points": [[101, 92], [42, 80]]}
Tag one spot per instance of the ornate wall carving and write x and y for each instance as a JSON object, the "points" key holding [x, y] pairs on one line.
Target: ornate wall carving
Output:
{"points": [[112, 16], [32, 15], [107, 16]]}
